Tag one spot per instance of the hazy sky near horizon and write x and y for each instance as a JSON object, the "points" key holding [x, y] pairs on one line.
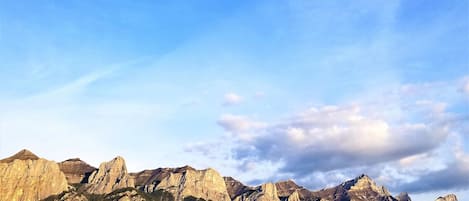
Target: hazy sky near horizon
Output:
{"points": [[317, 91]]}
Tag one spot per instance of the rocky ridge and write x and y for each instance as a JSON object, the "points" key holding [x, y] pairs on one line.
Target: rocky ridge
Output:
{"points": [[29, 178], [361, 188]]}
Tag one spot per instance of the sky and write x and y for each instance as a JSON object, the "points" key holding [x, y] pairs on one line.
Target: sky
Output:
{"points": [[314, 91]]}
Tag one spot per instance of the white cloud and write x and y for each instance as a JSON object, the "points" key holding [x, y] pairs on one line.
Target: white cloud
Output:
{"points": [[232, 99], [341, 136], [241, 126], [453, 176]]}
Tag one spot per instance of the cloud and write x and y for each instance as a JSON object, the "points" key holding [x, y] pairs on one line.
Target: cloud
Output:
{"points": [[454, 176], [232, 99], [239, 125], [334, 137], [465, 87]]}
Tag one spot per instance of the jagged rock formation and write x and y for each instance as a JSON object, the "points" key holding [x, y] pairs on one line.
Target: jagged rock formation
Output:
{"points": [[403, 197], [185, 182], [76, 171], [235, 187], [265, 192], [286, 188], [24, 176], [361, 188], [450, 197], [110, 176]]}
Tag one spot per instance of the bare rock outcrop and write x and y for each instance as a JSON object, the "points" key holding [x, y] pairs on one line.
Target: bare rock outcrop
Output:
{"points": [[361, 188], [26, 177], [235, 187], [403, 197], [187, 182], [450, 197], [110, 176], [265, 192], [76, 171]]}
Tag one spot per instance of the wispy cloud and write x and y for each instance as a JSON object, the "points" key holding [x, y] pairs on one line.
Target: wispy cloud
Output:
{"points": [[232, 99]]}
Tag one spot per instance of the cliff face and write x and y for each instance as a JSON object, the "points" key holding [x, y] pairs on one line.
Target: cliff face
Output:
{"points": [[26, 177], [206, 184], [76, 171], [110, 176]]}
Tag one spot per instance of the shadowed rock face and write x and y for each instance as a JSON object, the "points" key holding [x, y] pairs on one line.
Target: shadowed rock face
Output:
{"points": [[234, 187], [450, 197], [24, 176], [361, 188], [265, 192], [76, 171], [110, 176]]}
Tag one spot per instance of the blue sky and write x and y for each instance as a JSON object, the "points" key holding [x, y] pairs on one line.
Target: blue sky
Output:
{"points": [[251, 88]]}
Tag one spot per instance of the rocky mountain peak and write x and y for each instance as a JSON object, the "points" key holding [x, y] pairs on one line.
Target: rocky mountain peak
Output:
{"points": [[76, 171], [110, 176], [24, 154], [235, 187], [364, 182], [362, 188], [286, 188], [450, 197], [24, 176]]}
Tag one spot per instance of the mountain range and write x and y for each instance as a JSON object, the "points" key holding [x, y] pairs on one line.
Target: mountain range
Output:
{"points": [[27, 177]]}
